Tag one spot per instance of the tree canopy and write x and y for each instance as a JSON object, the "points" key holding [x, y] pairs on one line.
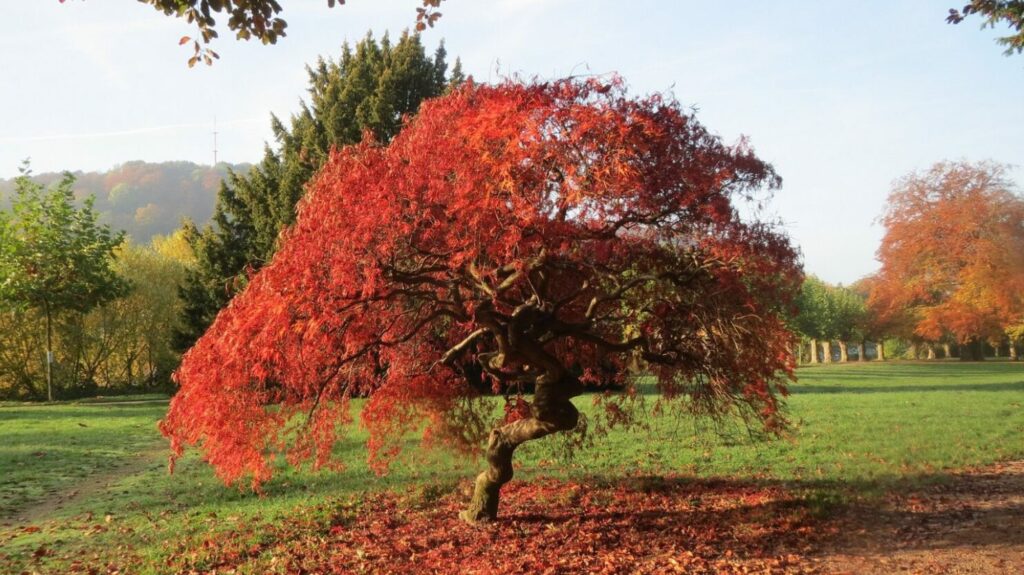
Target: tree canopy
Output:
{"points": [[536, 231], [828, 312], [995, 12], [953, 253], [369, 88], [813, 317], [248, 19]]}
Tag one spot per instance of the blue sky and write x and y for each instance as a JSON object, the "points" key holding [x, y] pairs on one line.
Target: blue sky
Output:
{"points": [[841, 97]]}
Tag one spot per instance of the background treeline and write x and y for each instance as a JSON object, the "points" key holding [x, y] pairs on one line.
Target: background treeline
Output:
{"points": [[145, 199], [838, 323]]}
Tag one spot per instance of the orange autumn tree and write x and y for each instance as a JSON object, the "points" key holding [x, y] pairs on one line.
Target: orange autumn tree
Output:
{"points": [[883, 317], [953, 255], [538, 234]]}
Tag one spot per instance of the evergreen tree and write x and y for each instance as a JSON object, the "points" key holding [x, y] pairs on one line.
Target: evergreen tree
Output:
{"points": [[368, 89]]}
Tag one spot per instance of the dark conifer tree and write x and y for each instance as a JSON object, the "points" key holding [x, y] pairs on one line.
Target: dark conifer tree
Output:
{"points": [[369, 88]]}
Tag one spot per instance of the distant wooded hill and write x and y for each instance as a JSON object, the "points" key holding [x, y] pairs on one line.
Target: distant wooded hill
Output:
{"points": [[145, 199]]}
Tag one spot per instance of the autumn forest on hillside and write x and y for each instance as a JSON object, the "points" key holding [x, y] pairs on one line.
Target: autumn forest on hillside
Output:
{"points": [[459, 322]]}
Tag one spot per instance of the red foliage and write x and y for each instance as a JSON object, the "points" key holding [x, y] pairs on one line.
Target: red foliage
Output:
{"points": [[953, 254], [599, 227]]}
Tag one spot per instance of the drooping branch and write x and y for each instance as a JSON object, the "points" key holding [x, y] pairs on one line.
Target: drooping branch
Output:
{"points": [[540, 232]]}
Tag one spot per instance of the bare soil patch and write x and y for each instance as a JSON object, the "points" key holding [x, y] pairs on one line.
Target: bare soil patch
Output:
{"points": [[972, 524]]}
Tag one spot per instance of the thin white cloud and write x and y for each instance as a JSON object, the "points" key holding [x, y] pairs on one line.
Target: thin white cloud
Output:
{"points": [[129, 132]]}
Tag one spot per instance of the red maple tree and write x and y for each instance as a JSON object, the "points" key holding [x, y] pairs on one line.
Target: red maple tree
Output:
{"points": [[953, 255], [526, 234]]}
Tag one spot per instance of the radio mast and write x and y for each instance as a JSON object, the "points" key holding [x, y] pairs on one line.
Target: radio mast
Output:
{"points": [[215, 141]]}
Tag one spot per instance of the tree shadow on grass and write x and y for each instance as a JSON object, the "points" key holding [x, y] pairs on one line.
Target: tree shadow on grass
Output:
{"points": [[981, 509], [728, 525]]}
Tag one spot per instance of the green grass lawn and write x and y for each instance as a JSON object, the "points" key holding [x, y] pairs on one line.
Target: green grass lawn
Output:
{"points": [[859, 430], [48, 449]]}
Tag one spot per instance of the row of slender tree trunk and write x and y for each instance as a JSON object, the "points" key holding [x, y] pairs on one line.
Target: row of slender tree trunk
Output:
{"points": [[844, 351], [972, 351]]}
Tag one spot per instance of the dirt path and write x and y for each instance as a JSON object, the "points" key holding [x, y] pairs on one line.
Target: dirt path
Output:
{"points": [[972, 525], [88, 486]]}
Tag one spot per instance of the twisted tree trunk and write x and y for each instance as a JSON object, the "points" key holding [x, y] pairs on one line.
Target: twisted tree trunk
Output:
{"points": [[814, 350], [844, 355], [550, 415], [551, 410]]}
